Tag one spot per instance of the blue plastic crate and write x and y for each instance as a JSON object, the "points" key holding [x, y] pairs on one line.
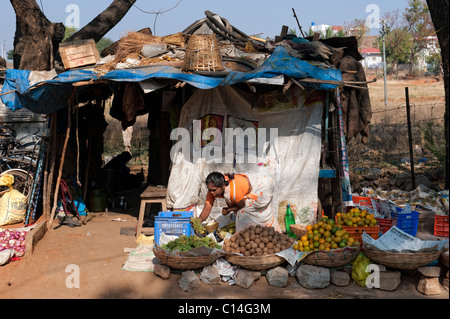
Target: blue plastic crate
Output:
{"points": [[407, 222], [173, 224]]}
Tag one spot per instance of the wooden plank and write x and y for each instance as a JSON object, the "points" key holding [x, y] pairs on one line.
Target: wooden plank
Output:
{"points": [[79, 53]]}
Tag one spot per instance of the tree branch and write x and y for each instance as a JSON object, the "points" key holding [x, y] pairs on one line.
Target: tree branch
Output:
{"points": [[104, 22]]}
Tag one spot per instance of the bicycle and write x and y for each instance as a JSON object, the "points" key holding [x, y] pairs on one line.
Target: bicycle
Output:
{"points": [[17, 160]]}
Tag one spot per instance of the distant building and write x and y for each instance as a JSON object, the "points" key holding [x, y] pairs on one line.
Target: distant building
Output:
{"points": [[322, 29], [431, 48], [373, 58]]}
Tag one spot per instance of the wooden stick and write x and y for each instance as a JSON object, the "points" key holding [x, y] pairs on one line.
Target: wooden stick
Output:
{"points": [[49, 161], [61, 165], [287, 86], [1, 94], [298, 84], [309, 80]]}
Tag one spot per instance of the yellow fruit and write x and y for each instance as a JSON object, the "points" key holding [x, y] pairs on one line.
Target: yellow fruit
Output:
{"points": [[295, 246], [304, 238]]}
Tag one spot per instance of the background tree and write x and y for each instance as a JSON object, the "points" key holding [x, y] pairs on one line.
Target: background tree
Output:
{"points": [[439, 11], [397, 39], [420, 27], [356, 28]]}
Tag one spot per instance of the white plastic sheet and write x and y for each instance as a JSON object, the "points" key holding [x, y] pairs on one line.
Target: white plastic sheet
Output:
{"points": [[292, 159]]}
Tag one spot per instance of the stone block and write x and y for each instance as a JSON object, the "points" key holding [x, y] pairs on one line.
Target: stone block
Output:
{"points": [[189, 281], [162, 271], [210, 276], [245, 278], [313, 277], [277, 277], [430, 272], [429, 286], [339, 278]]}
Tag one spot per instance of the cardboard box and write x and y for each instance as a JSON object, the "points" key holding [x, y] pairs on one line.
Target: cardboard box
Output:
{"points": [[79, 53]]}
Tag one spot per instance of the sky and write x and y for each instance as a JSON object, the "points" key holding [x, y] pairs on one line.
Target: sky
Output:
{"points": [[264, 18]]}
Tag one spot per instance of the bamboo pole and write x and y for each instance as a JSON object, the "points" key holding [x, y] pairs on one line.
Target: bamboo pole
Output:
{"points": [[61, 165]]}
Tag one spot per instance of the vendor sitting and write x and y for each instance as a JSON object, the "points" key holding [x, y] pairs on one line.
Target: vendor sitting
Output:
{"points": [[247, 195], [120, 162], [127, 180]]}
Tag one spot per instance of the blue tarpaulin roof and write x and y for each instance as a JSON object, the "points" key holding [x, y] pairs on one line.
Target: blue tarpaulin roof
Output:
{"points": [[51, 95]]}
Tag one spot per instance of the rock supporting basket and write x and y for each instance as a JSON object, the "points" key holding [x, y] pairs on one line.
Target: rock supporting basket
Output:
{"points": [[256, 262], [202, 54], [403, 261], [333, 258], [183, 261]]}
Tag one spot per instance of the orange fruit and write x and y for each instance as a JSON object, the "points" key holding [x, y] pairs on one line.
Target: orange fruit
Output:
{"points": [[309, 227], [304, 238], [338, 215]]}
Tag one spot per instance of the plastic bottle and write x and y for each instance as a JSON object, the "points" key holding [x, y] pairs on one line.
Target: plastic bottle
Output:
{"points": [[289, 220]]}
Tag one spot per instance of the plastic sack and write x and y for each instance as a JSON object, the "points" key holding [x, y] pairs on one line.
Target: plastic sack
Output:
{"points": [[13, 204], [359, 266]]}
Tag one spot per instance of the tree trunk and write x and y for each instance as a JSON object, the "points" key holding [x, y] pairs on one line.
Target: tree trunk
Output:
{"points": [[440, 16], [36, 42], [105, 21], [36, 38]]}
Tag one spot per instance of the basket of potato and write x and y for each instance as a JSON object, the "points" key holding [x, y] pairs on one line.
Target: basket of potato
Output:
{"points": [[255, 247]]}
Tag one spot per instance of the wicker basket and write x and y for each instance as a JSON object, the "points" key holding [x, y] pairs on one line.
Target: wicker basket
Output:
{"points": [[256, 262], [298, 230], [333, 258], [202, 54], [402, 261], [184, 262]]}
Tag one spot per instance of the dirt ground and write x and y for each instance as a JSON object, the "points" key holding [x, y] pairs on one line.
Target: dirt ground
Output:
{"points": [[98, 249]]}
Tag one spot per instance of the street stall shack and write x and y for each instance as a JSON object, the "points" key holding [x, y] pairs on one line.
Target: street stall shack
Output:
{"points": [[293, 85]]}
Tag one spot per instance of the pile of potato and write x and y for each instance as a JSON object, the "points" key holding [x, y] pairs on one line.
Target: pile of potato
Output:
{"points": [[257, 241]]}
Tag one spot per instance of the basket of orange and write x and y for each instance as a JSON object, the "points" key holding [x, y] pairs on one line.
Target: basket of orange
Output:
{"points": [[356, 221], [328, 244]]}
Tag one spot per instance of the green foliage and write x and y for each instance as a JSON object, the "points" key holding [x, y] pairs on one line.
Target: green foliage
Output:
{"points": [[185, 243], [103, 44], [430, 135], [10, 55], [69, 32]]}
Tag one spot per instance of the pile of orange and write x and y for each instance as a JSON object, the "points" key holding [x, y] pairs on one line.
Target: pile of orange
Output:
{"points": [[356, 218], [324, 235]]}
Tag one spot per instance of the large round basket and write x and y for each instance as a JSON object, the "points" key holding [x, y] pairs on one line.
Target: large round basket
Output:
{"points": [[202, 54], [333, 258], [402, 261], [256, 262], [443, 258], [183, 262], [298, 230]]}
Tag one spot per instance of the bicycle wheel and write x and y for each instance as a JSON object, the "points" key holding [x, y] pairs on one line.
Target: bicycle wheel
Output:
{"points": [[23, 182]]}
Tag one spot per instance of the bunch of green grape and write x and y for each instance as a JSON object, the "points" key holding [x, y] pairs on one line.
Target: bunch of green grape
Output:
{"points": [[197, 225]]}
